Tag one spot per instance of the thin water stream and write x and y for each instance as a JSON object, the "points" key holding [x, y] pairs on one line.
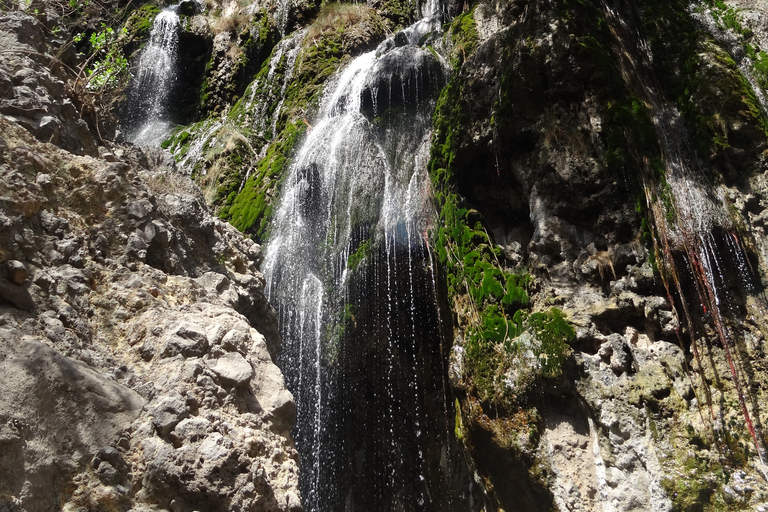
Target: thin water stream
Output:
{"points": [[153, 85], [702, 234]]}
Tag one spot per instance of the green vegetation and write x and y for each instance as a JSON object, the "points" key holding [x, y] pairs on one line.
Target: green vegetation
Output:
{"points": [[501, 334], [698, 485], [251, 209], [107, 66], [464, 37], [325, 50], [398, 13], [706, 84], [361, 254], [335, 331], [139, 23]]}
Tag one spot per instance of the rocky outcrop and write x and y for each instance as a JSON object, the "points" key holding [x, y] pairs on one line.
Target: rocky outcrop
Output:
{"points": [[134, 376], [546, 130], [589, 368], [33, 86]]}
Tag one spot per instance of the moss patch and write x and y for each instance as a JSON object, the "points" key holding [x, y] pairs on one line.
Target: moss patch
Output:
{"points": [[251, 209], [718, 104], [139, 23]]}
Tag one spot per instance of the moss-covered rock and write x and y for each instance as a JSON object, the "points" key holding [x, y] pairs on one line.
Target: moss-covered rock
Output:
{"points": [[251, 208], [719, 106], [138, 26]]}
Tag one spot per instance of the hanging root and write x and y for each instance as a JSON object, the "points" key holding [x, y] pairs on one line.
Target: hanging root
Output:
{"points": [[695, 252]]}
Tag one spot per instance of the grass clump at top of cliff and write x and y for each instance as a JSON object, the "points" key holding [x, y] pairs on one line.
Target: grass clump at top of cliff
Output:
{"points": [[339, 32], [334, 17], [398, 13]]}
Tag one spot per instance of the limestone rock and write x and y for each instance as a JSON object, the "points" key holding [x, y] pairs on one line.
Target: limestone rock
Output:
{"points": [[233, 369], [187, 340], [35, 97], [168, 413], [17, 272], [127, 350]]}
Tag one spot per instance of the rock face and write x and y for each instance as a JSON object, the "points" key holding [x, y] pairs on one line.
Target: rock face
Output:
{"points": [[34, 93], [590, 369], [599, 170], [133, 374], [552, 117]]}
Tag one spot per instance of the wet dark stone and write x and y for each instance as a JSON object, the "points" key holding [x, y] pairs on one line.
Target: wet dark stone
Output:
{"points": [[404, 77]]}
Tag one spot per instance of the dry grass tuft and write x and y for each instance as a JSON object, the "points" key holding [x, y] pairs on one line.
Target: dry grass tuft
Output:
{"points": [[604, 263], [232, 23], [336, 16], [170, 182]]}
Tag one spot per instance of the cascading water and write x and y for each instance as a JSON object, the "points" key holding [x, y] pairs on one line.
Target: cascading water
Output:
{"points": [[148, 121], [701, 234], [271, 87], [349, 271]]}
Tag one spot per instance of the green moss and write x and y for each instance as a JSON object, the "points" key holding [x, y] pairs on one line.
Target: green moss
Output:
{"points": [[139, 23], [176, 140], [554, 333], [399, 13], [335, 332], [323, 53], [180, 138], [316, 63], [361, 254], [706, 84], [458, 426], [516, 296], [464, 37], [499, 297], [251, 208], [694, 487]]}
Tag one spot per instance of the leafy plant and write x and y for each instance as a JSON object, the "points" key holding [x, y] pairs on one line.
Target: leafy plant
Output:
{"points": [[107, 64]]}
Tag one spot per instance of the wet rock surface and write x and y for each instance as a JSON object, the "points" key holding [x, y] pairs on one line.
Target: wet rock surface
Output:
{"points": [[136, 344], [631, 424]]}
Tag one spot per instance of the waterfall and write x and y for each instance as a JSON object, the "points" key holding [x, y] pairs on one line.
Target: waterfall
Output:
{"points": [[349, 272], [148, 120]]}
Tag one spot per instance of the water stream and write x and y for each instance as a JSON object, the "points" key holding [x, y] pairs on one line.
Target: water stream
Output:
{"points": [[350, 275], [147, 118]]}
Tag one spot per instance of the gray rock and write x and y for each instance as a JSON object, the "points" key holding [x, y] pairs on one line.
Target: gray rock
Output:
{"points": [[233, 369], [139, 209], [17, 271], [81, 335], [168, 413], [107, 473], [17, 295], [60, 396], [236, 341], [615, 352], [187, 340], [214, 447], [191, 430]]}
